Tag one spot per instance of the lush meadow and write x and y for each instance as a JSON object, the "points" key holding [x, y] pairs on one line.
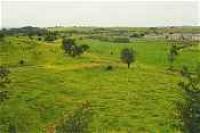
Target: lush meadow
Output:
{"points": [[47, 85]]}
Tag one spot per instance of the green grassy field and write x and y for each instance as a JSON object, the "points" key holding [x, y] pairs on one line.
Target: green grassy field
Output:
{"points": [[51, 84]]}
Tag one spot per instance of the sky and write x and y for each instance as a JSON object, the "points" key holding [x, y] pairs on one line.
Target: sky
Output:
{"points": [[88, 13]]}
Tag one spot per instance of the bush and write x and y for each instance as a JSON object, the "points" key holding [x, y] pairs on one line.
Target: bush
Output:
{"points": [[109, 67], [3, 95], [51, 36], [21, 62], [4, 72], [190, 111], [39, 39], [76, 122], [2, 35], [136, 35], [84, 47]]}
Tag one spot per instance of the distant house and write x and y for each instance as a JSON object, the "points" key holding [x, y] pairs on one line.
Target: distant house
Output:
{"points": [[184, 36], [154, 36], [196, 37]]}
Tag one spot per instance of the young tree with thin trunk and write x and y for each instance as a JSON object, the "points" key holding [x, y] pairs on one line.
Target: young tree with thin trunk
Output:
{"points": [[128, 56]]}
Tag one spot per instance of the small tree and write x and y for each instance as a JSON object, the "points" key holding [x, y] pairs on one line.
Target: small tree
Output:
{"points": [[128, 56], [173, 52]]}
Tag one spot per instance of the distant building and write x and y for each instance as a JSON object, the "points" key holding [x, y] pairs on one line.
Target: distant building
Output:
{"points": [[184, 36]]}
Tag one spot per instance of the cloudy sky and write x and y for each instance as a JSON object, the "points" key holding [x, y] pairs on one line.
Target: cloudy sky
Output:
{"points": [[44, 14]]}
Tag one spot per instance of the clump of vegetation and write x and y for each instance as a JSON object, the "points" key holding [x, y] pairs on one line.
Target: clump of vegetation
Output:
{"points": [[135, 35], [72, 49], [128, 56], [51, 36], [4, 79], [173, 52], [121, 39], [109, 68], [21, 62], [2, 35], [190, 111], [39, 39], [76, 122], [84, 47], [3, 95]]}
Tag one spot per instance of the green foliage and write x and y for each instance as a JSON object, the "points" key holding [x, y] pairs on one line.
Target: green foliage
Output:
{"points": [[17, 119], [76, 122], [121, 40], [67, 45], [2, 35], [84, 47], [173, 52], [51, 36], [3, 95], [136, 35], [128, 56], [72, 49], [4, 79], [28, 30], [190, 111], [109, 68]]}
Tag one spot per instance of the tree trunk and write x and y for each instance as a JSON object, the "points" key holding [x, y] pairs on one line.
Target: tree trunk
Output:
{"points": [[128, 65]]}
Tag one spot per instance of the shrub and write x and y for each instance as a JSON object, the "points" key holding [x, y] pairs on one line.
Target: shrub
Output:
{"points": [[84, 47], [51, 36], [39, 39], [121, 39], [67, 44], [173, 52], [4, 72], [136, 35], [190, 111], [2, 35], [76, 122], [109, 67], [3, 95], [21, 62]]}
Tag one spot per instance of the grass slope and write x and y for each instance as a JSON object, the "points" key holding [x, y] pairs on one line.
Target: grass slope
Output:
{"points": [[140, 99]]}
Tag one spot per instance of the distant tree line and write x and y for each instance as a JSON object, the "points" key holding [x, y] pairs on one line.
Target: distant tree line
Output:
{"points": [[28, 30]]}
